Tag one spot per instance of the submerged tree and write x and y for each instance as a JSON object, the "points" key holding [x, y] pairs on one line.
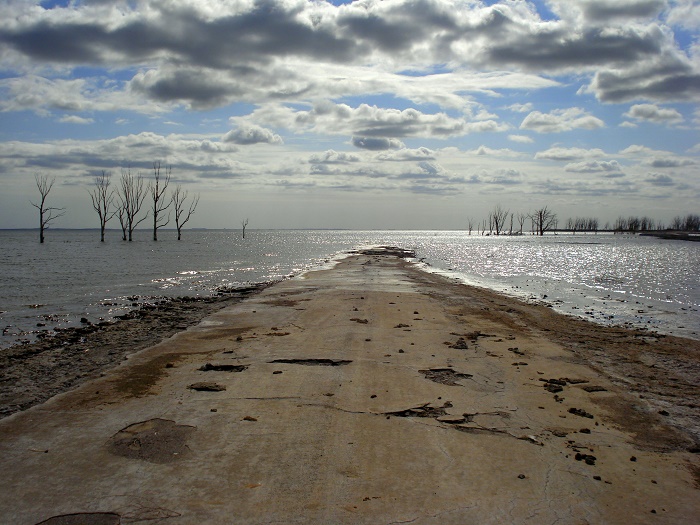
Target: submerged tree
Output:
{"points": [[244, 223], [181, 216], [131, 198], [543, 220], [102, 200], [157, 189], [498, 219], [47, 214]]}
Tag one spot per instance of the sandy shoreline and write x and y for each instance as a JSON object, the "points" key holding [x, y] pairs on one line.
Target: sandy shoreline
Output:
{"points": [[371, 393], [32, 373]]}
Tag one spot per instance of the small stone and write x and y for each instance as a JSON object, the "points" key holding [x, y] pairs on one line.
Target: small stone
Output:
{"points": [[597, 478], [585, 431], [521, 476], [373, 396], [249, 418], [663, 412], [633, 458], [213, 410]]}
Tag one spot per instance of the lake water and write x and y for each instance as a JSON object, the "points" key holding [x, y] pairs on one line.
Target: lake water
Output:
{"points": [[618, 279]]}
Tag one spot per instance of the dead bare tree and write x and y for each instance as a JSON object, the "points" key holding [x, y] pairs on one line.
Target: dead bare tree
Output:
{"points": [[521, 221], [102, 200], [244, 223], [498, 217], [181, 216], [157, 189], [47, 214], [470, 225], [131, 199], [543, 220], [121, 215]]}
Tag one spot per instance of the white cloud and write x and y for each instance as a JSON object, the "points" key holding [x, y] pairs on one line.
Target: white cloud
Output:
{"points": [[247, 134], [594, 166], [522, 139], [74, 119], [561, 120], [659, 179], [653, 113], [685, 14], [333, 157], [377, 143], [520, 108], [568, 154]]}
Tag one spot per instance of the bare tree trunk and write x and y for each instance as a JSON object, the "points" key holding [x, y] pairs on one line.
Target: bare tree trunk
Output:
{"points": [[181, 217], [102, 200], [244, 223], [132, 198], [157, 190], [46, 213]]}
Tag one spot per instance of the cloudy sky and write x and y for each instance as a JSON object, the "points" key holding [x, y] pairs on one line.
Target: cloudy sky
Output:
{"points": [[407, 114]]}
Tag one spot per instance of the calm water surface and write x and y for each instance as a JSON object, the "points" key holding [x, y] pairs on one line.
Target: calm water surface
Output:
{"points": [[617, 279]]}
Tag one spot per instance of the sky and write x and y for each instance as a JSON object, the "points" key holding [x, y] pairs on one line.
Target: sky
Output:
{"points": [[393, 114]]}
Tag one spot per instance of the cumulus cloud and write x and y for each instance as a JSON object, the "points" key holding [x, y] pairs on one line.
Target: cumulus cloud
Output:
{"points": [[367, 121], [594, 166], [568, 154], [333, 157], [377, 143], [190, 52], [653, 113], [407, 154], [522, 139], [248, 134], [520, 108], [659, 179], [74, 119], [561, 120], [670, 162]]}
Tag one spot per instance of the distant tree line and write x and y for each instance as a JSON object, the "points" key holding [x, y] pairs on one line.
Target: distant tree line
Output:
{"points": [[501, 221]]}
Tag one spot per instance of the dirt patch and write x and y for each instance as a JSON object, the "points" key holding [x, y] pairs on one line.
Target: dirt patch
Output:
{"points": [[31, 374], [445, 376], [139, 380], [155, 441], [313, 362]]}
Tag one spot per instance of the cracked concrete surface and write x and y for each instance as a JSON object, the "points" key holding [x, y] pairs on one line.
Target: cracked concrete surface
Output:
{"points": [[372, 441]]}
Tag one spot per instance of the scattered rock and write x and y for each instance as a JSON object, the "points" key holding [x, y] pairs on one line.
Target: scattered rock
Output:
{"points": [[207, 387], [250, 418], [223, 368], [461, 344], [445, 376], [580, 412], [313, 362], [588, 459], [358, 320]]}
